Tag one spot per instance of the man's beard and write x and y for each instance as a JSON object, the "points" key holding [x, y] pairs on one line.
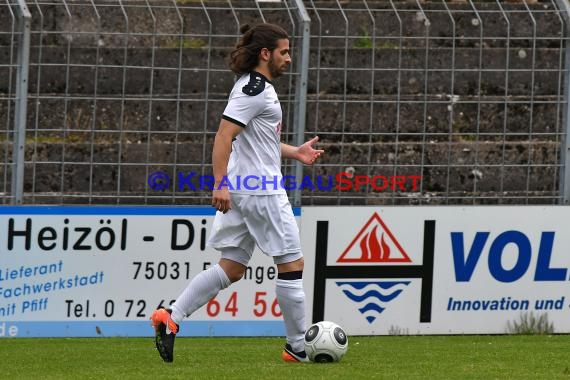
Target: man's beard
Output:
{"points": [[273, 69]]}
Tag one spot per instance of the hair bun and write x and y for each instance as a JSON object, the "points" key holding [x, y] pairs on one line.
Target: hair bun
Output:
{"points": [[244, 28]]}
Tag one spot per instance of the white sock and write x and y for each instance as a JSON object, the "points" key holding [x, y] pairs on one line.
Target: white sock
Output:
{"points": [[199, 291], [291, 299]]}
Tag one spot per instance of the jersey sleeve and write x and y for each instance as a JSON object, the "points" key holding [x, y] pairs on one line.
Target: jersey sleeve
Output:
{"points": [[242, 107]]}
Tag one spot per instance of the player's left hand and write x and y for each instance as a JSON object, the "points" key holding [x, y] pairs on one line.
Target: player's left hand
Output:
{"points": [[307, 154]]}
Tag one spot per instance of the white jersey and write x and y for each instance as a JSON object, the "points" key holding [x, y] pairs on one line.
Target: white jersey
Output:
{"points": [[255, 160]]}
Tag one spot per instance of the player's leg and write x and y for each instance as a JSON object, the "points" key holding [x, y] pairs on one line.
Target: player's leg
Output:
{"points": [[203, 287], [291, 298], [228, 229], [276, 233], [208, 283]]}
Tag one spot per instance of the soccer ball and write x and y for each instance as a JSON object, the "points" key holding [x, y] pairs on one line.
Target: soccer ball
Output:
{"points": [[325, 342]]}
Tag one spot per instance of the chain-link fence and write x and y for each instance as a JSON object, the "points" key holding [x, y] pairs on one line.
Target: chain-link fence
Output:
{"points": [[415, 102]]}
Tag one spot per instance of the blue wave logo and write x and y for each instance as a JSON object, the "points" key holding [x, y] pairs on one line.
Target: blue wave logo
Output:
{"points": [[372, 296]]}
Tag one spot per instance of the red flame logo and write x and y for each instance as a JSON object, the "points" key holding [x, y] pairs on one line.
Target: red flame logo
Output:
{"points": [[372, 249], [366, 247]]}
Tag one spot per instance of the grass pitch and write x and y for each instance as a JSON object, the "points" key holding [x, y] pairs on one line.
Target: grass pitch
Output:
{"points": [[380, 357]]}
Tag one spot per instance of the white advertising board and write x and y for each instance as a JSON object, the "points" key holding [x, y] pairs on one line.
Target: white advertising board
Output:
{"points": [[101, 271], [437, 270]]}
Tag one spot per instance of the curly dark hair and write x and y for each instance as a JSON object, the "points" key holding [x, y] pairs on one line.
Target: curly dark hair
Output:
{"points": [[245, 57]]}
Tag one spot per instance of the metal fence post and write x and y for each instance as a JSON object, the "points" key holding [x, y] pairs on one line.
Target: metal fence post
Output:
{"points": [[565, 143], [20, 111], [300, 109]]}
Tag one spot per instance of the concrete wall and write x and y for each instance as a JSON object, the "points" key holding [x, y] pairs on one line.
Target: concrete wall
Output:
{"points": [[504, 120]]}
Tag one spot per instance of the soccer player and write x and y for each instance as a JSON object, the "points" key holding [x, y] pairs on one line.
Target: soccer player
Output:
{"points": [[258, 212]]}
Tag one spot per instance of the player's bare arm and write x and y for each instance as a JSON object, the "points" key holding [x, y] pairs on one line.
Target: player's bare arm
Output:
{"points": [[227, 131], [304, 153]]}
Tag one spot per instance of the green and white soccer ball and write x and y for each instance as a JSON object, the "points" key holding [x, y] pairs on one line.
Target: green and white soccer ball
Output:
{"points": [[325, 342]]}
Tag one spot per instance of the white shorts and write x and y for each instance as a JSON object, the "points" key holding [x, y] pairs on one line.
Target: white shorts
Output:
{"points": [[265, 220]]}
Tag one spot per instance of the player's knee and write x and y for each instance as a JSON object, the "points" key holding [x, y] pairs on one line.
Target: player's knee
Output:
{"points": [[236, 275], [292, 266], [234, 270]]}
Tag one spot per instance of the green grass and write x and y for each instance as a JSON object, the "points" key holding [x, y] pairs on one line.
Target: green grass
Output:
{"points": [[381, 357]]}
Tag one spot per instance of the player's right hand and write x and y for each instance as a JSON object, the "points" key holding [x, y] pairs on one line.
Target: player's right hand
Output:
{"points": [[221, 199]]}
